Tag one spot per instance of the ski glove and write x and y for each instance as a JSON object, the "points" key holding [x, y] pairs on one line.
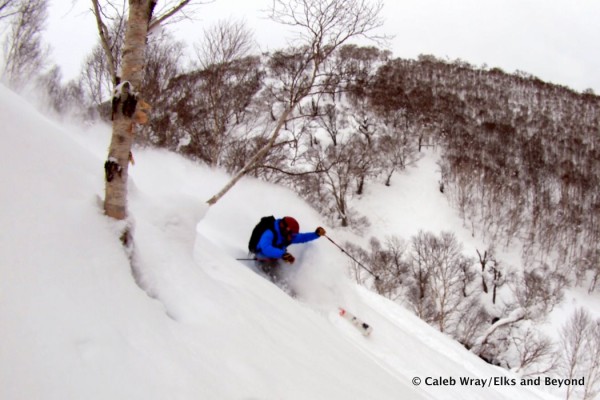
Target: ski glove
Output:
{"points": [[320, 231], [287, 257]]}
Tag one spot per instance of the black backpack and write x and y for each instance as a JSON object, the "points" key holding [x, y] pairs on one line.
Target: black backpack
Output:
{"points": [[265, 224]]}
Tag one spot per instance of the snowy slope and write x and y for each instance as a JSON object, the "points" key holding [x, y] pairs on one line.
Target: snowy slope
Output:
{"points": [[189, 321]]}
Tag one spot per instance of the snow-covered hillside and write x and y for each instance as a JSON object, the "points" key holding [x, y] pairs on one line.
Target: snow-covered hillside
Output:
{"points": [[189, 321]]}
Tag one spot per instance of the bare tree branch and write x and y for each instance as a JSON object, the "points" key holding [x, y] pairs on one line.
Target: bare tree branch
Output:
{"points": [[173, 11], [104, 40], [323, 26], [8, 8]]}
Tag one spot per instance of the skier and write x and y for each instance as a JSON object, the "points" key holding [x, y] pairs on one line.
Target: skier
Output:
{"points": [[271, 237]]}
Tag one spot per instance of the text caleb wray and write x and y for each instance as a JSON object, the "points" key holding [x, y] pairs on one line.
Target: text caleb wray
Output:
{"points": [[502, 381]]}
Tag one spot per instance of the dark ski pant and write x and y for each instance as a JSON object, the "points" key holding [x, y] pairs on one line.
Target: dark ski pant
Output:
{"points": [[271, 267]]}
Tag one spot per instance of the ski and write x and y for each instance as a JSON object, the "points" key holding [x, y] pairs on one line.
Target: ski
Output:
{"points": [[361, 325]]}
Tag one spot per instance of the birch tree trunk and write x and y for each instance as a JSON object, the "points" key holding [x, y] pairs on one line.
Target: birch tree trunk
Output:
{"points": [[124, 104]]}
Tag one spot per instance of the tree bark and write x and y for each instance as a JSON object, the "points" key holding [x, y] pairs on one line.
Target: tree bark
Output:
{"points": [[124, 103]]}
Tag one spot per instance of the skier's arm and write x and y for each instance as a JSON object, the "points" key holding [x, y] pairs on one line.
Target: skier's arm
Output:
{"points": [[305, 237], [265, 246]]}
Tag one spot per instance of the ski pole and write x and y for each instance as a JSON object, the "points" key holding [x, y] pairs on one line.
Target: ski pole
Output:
{"points": [[353, 259]]}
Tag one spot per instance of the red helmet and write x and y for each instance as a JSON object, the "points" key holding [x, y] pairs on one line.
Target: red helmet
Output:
{"points": [[291, 224]]}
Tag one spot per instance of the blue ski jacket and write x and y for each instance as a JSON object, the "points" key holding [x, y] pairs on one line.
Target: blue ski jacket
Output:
{"points": [[268, 248]]}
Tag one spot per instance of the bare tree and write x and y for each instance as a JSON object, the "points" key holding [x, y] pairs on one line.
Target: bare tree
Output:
{"points": [[99, 73], [591, 262], [126, 97], [573, 337], [111, 37], [389, 263], [473, 318], [580, 339], [396, 149], [441, 276], [207, 113], [61, 99], [359, 254], [420, 273], [331, 120], [483, 261], [163, 57], [223, 42], [338, 179], [499, 278], [111, 20], [449, 278], [95, 78], [322, 26], [537, 354], [592, 387], [538, 291], [24, 53], [226, 69]]}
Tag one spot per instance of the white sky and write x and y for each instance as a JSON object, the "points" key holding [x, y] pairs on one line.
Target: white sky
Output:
{"points": [[555, 40]]}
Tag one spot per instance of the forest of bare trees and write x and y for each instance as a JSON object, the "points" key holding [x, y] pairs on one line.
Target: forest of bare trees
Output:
{"points": [[519, 158]]}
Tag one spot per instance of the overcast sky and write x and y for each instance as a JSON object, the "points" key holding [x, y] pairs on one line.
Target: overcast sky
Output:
{"points": [[555, 40]]}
